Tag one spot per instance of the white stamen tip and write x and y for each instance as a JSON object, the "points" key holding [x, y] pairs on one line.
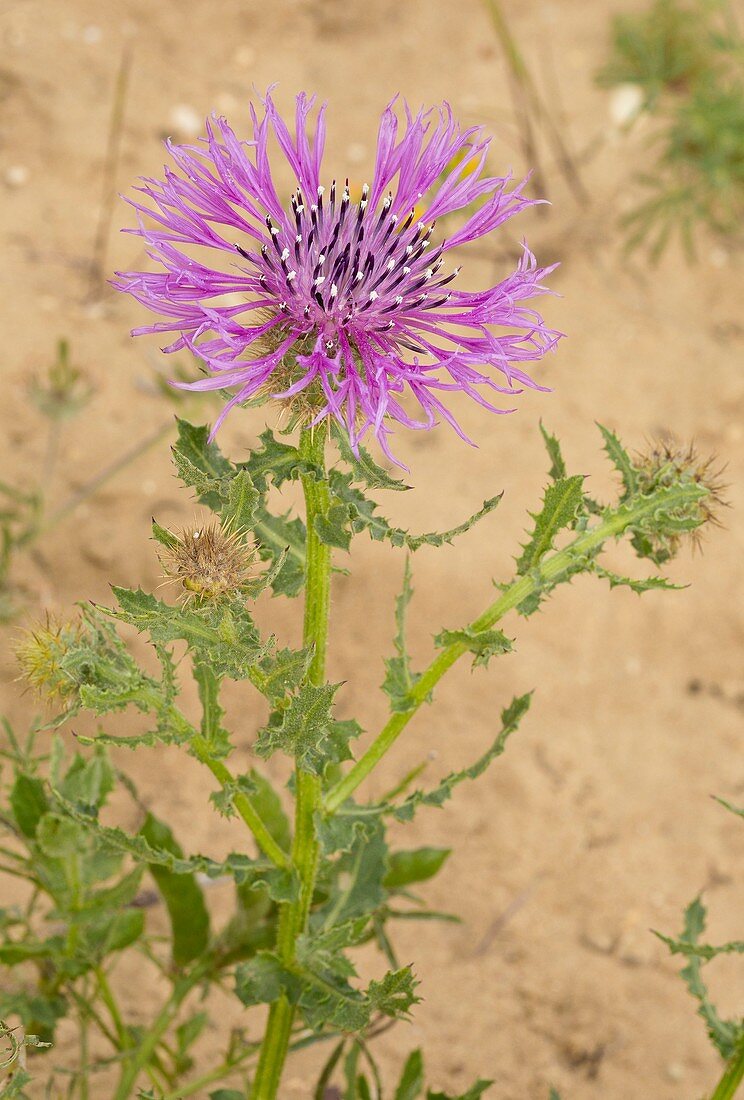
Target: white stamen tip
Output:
{"points": [[285, 254], [373, 295], [334, 290], [320, 191], [291, 275], [320, 280]]}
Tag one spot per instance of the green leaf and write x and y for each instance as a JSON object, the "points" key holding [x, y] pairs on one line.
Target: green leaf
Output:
{"points": [[268, 806], [474, 1092], [306, 730], [283, 671], [399, 679], [241, 501], [417, 865], [200, 464], [277, 534], [363, 515], [363, 466], [276, 461], [28, 803], [738, 810], [281, 885], [561, 503], [511, 716], [356, 888], [327, 1072], [212, 731], [723, 1033], [412, 1079], [57, 836], [224, 632], [557, 465], [485, 644], [182, 895], [394, 995], [164, 536], [227, 1094], [333, 528], [704, 951], [636, 584], [621, 460]]}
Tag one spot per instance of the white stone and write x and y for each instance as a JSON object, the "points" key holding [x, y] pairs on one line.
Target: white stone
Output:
{"points": [[626, 102]]}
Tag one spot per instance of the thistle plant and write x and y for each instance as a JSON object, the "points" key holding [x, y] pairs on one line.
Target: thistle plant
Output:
{"points": [[348, 324]]}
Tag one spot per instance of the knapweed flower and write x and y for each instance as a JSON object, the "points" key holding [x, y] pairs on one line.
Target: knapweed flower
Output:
{"points": [[340, 305]]}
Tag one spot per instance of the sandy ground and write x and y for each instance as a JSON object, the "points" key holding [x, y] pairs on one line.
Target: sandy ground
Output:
{"points": [[598, 823]]}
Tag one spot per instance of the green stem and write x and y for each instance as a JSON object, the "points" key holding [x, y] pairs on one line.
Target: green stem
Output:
{"points": [[293, 916], [733, 1076], [242, 804], [549, 571], [143, 1053]]}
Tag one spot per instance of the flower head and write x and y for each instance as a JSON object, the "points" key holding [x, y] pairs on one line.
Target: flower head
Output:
{"points": [[209, 561], [345, 301]]}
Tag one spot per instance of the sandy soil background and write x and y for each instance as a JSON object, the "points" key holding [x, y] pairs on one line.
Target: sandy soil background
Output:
{"points": [[598, 823]]}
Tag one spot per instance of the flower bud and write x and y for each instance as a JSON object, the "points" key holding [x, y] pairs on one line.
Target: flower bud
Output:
{"points": [[210, 562]]}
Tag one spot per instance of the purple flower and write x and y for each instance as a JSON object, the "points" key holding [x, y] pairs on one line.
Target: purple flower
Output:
{"points": [[345, 306]]}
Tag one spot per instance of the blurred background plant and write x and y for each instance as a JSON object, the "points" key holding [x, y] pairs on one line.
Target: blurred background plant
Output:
{"points": [[33, 508], [685, 60]]}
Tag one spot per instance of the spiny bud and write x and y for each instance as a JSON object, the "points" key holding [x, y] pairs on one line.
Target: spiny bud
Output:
{"points": [[209, 561], [667, 463], [41, 653]]}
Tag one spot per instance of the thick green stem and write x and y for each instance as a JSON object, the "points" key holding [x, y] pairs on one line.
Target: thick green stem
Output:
{"points": [[550, 570], [733, 1076], [293, 916]]}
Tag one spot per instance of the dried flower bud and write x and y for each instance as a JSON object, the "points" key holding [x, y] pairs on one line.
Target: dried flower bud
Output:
{"points": [[40, 655], [209, 561]]}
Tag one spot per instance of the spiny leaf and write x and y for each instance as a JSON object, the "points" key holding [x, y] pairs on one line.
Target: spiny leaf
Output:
{"points": [[363, 466], [621, 460], [182, 895], [240, 502], [561, 503], [399, 679], [164, 536], [275, 460], [557, 465], [201, 464], [704, 951], [305, 729], [277, 534], [485, 644], [724, 1034], [333, 528], [223, 631], [511, 716], [394, 995], [282, 885], [363, 516], [356, 887], [636, 584], [738, 810], [283, 671]]}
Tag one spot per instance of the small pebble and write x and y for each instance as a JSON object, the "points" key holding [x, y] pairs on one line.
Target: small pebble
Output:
{"points": [[245, 57], [718, 257], [185, 120], [16, 175], [626, 102], [91, 35], [675, 1071], [356, 152]]}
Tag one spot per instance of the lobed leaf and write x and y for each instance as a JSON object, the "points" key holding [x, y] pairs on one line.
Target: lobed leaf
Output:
{"points": [[484, 644], [561, 504]]}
